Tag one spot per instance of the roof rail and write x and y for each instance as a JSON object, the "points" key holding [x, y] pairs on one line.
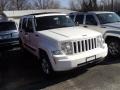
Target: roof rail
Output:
{"points": [[43, 13]]}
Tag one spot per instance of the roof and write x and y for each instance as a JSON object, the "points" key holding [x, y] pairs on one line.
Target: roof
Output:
{"points": [[99, 12], [43, 13], [92, 12], [54, 14]]}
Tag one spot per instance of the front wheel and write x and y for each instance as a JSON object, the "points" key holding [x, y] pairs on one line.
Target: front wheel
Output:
{"points": [[113, 47], [46, 65]]}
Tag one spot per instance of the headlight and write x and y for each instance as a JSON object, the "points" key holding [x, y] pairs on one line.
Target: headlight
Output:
{"points": [[67, 47], [57, 52], [100, 41]]}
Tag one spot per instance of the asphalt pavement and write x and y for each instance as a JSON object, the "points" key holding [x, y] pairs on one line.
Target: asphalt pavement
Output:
{"points": [[20, 71]]}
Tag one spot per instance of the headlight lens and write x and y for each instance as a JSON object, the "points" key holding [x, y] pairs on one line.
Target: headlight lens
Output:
{"points": [[57, 52], [67, 48], [100, 41]]}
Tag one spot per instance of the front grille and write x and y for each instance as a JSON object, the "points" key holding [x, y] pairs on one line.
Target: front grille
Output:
{"points": [[9, 40], [84, 45]]}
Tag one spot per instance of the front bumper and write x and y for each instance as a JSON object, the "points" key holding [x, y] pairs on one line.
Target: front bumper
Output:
{"points": [[65, 62]]}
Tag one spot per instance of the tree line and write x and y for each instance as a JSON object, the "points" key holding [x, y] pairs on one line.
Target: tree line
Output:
{"points": [[95, 5], [28, 4], [80, 5]]}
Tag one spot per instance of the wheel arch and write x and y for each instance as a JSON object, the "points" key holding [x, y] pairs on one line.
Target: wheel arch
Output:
{"points": [[111, 37], [43, 51], [49, 54]]}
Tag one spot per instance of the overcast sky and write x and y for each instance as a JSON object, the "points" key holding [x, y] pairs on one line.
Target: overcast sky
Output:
{"points": [[64, 3]]}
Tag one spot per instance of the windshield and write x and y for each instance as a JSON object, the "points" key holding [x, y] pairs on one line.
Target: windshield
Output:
{"points": [[6, 26], [52, 22], [108, 18]]}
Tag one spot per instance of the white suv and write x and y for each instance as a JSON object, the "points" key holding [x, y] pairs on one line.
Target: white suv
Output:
{"points": [[58, 43], [107, 23]]}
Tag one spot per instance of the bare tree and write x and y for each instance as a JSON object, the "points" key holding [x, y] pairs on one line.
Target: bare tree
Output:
{"points": [[75, 5], [46, 4], [89, 5], [109, 5], [4, 4], [19, 4], [104, 5], [84, 5]]}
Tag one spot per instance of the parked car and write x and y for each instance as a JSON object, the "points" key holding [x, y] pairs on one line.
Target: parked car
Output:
{"points": [[59, 45], [108, 23], [8, 34]]}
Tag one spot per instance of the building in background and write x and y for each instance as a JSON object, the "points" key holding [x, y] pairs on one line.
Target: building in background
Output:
{"points": [[15, 15], [3, 16]]}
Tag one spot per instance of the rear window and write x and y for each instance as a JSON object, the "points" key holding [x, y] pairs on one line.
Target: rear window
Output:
{"points": [[6, 26]]}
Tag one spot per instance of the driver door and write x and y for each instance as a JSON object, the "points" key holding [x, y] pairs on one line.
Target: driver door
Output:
{"points": [[31, 35], [91, 22]]}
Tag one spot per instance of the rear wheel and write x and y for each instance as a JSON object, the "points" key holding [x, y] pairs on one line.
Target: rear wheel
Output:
{"points": [[113, 47]]}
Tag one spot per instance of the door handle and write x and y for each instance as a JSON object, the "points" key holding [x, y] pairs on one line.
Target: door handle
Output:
{"points": [[37, 35]]}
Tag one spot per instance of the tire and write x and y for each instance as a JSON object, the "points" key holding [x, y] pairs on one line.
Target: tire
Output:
{"points": [[46, 65], [113, 47]]}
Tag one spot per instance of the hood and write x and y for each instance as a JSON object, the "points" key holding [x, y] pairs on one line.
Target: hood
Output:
{"points": [[113, 25], [70, 33]]}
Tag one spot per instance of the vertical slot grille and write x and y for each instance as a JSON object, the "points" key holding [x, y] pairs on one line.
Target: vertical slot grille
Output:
{"points": [[84, 45]]}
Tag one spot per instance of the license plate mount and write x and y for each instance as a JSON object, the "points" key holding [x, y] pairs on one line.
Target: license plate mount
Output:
{"points": [[91, 58]]}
